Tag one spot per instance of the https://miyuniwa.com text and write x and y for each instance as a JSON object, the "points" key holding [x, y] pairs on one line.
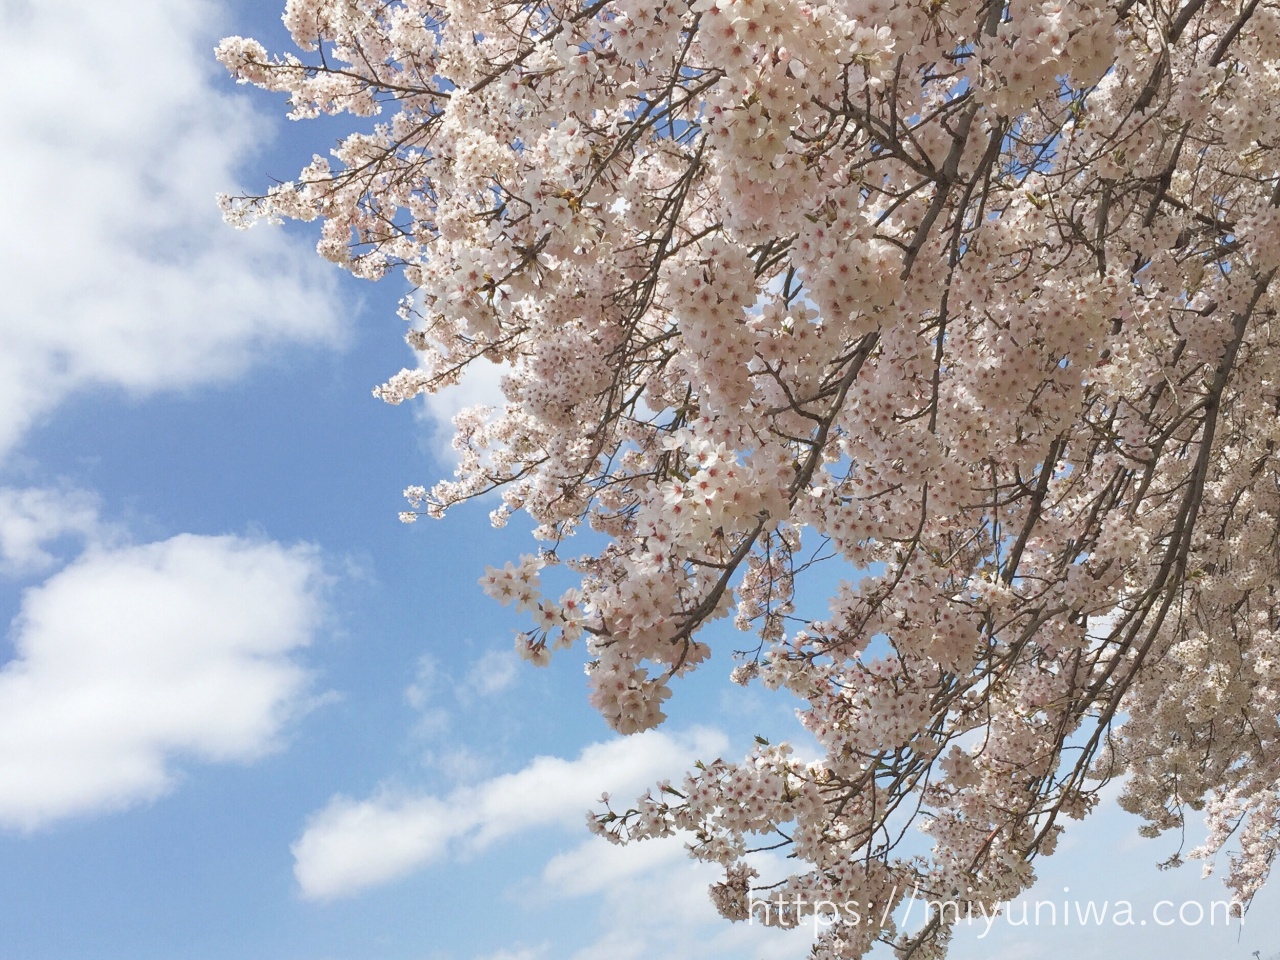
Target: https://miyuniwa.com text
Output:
{"points": [[1066, 911]]}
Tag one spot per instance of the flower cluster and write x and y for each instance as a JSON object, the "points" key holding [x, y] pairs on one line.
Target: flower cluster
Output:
{"points": [[974, 299]]}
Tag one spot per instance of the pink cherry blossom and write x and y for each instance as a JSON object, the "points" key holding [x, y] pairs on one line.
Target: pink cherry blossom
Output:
{"points": [[970, 303]]}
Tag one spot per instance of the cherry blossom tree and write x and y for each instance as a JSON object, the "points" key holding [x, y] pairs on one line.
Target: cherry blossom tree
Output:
{"points": [[968, 302]]}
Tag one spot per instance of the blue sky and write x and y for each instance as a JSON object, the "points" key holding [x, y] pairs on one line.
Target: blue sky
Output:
{"points": [[244, 712]]}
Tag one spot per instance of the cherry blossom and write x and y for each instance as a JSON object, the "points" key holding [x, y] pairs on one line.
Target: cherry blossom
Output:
{"points": [[968, 303]]}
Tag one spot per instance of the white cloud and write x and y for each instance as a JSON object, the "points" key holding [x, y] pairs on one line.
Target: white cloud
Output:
{"points": [[433, 687], [131, 658], [426, 682], [662, 911], [494, 672], [596, 865], [459, 764], [32, 518], [353, 844], [654, 902], [491, 673], [118, 270], [479, 386], [1099, 626], [519, 953]]}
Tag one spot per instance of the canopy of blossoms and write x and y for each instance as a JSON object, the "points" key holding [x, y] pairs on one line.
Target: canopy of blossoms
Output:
{"points": [[969, 302]]}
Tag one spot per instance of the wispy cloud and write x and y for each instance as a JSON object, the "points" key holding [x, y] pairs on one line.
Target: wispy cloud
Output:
{"points": [[519, 953], [354, 844], [436, 694], [32, 519], [494, 672]]}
